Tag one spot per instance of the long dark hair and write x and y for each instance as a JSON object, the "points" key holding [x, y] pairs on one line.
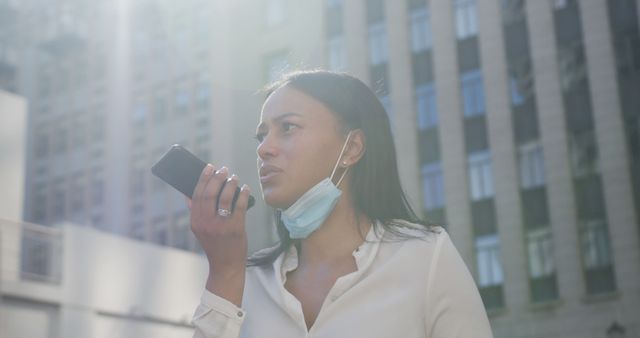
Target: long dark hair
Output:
{"points": [[375, 182]]}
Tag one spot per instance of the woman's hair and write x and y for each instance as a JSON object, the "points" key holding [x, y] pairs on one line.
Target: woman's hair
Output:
{"points": [[375, 182]]}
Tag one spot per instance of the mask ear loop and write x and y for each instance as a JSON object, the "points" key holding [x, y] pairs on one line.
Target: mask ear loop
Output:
{"points": [[338, 162]]}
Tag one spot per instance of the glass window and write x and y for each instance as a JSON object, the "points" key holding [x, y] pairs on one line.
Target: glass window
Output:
{"points": [[473, 93], [386, 103], [540, 249], [182, 101], [596, 252], [531, 165], [334, 3], [481, 175], [572, 66], [203, 96], [160, 109], [420, 29], [433, 186], [139, 113], [466, 19], [512, 10], [275, 12], [136, 230], [584, 154], [378, 49], [160, 231], [97, 192], [182, 231], [488, 260], [559, 4], [337, 53], [517, 96], [426, 105]]}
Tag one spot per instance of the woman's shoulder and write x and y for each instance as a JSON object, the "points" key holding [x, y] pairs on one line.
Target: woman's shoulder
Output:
{"points": [[404, 229]]}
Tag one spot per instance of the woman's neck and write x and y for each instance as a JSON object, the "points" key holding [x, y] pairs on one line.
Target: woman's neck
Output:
{"points": [[336, 239]]}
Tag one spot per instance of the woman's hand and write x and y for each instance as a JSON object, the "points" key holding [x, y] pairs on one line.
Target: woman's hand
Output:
{"points": [[221, 230]]}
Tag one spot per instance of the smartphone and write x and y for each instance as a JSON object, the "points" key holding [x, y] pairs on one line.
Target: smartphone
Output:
{"points": [[181, 169]]}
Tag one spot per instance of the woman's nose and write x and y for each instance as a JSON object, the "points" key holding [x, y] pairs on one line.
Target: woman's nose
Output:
{"points": [[267, 148]]}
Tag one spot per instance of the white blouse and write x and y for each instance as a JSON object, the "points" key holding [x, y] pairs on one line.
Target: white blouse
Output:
{"points": [[402, 288]]}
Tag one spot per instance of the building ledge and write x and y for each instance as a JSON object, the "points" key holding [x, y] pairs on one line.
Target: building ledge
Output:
{"points": [[601, 297]]}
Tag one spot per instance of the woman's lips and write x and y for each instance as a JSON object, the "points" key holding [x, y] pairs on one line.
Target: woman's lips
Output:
{"points": [[268, 177], [268, 172]]}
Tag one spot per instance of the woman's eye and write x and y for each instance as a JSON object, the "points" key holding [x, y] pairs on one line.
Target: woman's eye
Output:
{"points": [[259, 137], [286, 126]]}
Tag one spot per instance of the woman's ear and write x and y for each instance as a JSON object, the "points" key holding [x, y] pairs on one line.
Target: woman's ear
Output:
{"points": [[355, 149]]}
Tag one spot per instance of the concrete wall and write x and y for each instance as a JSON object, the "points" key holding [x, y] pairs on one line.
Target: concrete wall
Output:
{"points": [[13, 119], [110, 287]]}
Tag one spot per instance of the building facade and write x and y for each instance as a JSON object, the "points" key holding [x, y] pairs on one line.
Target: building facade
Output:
{"points": [[516, 125]]}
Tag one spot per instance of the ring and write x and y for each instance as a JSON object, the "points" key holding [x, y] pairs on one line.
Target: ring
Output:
{"points": [[224, 212]]}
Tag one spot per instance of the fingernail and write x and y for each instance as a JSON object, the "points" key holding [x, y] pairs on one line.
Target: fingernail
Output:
{"points": [[224, 170], [209, 169]]}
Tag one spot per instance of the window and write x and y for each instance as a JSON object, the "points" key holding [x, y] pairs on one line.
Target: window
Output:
{"points": [[512, 10], [77, 197], [160, 231], [572, 65], [426, 104], [531, 165], [182, 101], [276, 65], [473, 93], [378, 49], [480, 175], [386, 103], [97, 192], [139, 113], [275, 12], [137, 182], [559, 4], [136, 230], [60, 141], [420, 29], [160, 109], [596, 256], [584, 154], [540, 249], [466, 19], [542, 269], [432, 186], [517, 96], [337, 53], [203, 96], [182, 231], [488, 260], [41, 145], [334, 3], [595, 245]]}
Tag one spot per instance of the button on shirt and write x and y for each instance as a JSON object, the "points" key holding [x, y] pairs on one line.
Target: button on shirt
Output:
{"points": [[402, 288]]}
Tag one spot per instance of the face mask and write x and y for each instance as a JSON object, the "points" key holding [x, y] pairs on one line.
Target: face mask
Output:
{"points": [[312, 208]]}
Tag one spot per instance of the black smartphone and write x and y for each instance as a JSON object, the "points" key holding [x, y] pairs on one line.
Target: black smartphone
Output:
{"points": [[181, 169]]}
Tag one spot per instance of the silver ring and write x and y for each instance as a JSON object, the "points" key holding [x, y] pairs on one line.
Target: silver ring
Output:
{"points": [[224, 212]]}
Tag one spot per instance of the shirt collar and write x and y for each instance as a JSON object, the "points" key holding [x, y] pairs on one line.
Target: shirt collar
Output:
{"points": [[364, 254]]}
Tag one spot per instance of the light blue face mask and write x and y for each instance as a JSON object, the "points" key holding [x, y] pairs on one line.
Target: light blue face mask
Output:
{"points": [[308, 213]]}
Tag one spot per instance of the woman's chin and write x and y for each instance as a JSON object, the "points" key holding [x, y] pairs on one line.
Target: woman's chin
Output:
{"points": [[274, 199]]}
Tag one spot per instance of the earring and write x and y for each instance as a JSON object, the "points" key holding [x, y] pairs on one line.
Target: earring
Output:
{"points": [[344, 163]]}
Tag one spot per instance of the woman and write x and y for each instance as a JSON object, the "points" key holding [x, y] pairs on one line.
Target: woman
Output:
{"points": [[353, 259]]}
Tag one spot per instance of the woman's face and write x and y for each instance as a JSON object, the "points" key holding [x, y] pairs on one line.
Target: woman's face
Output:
{"points": [[299, 145]]}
